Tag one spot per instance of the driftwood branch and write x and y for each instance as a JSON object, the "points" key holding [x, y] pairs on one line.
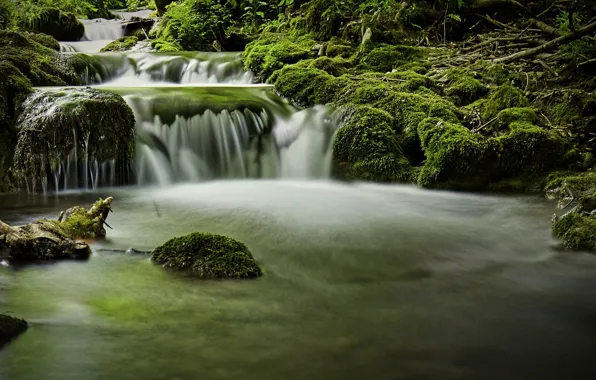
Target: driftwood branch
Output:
{"points": [[549, 45]]}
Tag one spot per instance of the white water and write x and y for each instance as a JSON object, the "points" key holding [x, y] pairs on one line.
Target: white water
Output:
{"points": [[142, 69]]}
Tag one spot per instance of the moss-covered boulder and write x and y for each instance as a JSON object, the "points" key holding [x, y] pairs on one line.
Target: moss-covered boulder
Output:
{"points": [[121, 44], [455, 158], [55, 123], [26, 60], [10, 327], [577, 230], [384, 58], [273, 51], [207, 256], [365, 147], [462, 87], [63, 26]]}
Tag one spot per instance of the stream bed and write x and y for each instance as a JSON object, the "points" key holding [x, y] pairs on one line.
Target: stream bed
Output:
{"points": [[361, 281]]}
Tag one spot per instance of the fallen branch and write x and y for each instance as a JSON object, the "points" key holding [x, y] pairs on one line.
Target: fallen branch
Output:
{"points": [[549, 45], [544, 27]]}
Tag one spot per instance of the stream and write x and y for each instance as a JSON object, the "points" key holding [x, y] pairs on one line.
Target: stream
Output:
{"points": [[362, 281]]}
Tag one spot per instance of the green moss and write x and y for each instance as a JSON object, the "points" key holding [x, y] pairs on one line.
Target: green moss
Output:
{"points": [[412, 81], [307, 86], [455, 158], [507, 117], [333, 66], [384, 58], [165, 46], [79, 225], [121, 44], [339, 50], [365, 147], [505, 96], [529, 150], [45, 40], [462, 87], [574, 111], [103, 124], [578, 231], [272, 52], [63, 26], [208, 256]]}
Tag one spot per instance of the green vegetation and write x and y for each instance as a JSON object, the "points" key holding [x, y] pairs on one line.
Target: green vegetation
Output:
{"points": [[207, 256], [121, 44]]}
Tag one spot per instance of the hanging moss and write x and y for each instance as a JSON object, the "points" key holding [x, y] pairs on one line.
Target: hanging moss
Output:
{"points": [[208, 256], [121, 44]]}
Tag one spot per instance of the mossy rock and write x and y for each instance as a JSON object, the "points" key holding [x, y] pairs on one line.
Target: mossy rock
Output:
{"points": [[55, 122], [503, 97], [308, 86], [272, 52], [365, 147], [334, 66], [384, 58], [10, 328], [26, 60], [63, 26], [207, 256], [339, 49], [462, 87], [577, 230], [121, 44], [455, 158]]}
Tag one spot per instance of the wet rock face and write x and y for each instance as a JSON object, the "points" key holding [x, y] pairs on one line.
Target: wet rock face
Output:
{"points": [[207, 256], [88, 126], [10, 327]]}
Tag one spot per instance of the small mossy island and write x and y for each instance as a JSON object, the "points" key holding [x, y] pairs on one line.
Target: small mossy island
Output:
{"points": [[207, 256]]}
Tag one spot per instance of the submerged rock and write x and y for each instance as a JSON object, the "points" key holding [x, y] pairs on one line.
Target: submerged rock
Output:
{"points": [[56, 239], [89, 125], [10, 328], [208, 256]]}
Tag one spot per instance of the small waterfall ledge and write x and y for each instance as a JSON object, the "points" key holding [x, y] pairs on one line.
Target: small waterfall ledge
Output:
{"points": [[197, 117]]}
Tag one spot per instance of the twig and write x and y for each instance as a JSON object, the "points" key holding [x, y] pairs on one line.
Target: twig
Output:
{"points": [[544, 27], [551, 44], [485, 124], [546, 67]]}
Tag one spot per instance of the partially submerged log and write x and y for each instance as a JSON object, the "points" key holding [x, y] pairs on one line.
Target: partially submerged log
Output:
{"points": [[56, 239]]}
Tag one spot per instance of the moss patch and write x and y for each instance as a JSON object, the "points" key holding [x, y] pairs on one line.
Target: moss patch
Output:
{"points": [[121, 44], [63, 26], [207, 256]]}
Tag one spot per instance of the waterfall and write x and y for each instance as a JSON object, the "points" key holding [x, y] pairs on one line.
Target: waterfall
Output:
{"points": [[189, 140], [198, 118], [141, 69]]}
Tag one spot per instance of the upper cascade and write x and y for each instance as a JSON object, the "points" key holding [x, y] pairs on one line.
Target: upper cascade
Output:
{"points": [[134, 69]]}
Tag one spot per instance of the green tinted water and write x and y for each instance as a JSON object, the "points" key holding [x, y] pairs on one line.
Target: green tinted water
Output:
{"points": [[362, 282]]}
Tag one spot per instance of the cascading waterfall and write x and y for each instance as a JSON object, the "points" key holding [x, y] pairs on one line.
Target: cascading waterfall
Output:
{"points": [[198, 117], [142, 69]]}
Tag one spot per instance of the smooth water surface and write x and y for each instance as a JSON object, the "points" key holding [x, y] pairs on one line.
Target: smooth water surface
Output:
{"points": [[361, 282]]}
